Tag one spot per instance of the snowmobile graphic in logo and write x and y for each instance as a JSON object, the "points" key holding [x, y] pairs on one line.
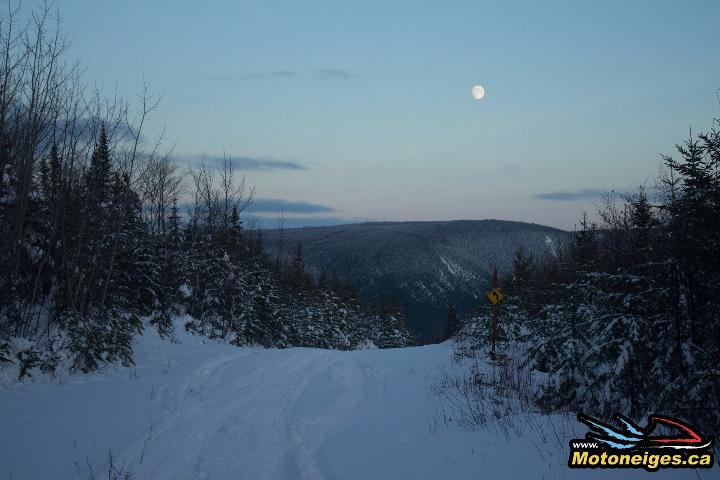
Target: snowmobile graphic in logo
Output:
{"points": [[630, 436]]}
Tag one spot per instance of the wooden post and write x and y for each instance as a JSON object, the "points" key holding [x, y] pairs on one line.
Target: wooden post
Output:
{"points": [[494, 320]]}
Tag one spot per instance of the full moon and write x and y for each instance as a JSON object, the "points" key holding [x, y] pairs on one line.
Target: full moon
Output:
{"points": [[478, 92]]}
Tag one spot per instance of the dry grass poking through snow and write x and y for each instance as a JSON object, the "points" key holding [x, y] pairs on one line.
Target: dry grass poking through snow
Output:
{"points": [[480, 394]]}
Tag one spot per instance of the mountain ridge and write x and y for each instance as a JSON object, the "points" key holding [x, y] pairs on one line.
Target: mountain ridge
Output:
{"points": [[423, 265]]}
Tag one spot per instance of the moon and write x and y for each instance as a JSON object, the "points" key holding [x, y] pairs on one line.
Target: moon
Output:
{"points": [[478, 92]]}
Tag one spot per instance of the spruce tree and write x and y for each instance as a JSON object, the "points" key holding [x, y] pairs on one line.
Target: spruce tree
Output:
{"points": [[100, 173], [453, 322]]}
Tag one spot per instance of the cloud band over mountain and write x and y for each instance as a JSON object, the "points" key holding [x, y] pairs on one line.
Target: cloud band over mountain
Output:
{"points": [[277, 205], [243, 163]]}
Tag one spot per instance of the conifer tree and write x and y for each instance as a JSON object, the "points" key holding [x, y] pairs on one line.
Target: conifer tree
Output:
{"points": [[100, 173], [453, 322]]}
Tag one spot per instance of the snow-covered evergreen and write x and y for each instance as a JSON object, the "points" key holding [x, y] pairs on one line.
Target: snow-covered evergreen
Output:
{"points": [[95, 248], [626, 317]]}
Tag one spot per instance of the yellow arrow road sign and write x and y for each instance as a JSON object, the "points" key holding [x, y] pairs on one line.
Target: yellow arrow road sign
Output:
{"points": [[495, 295]]}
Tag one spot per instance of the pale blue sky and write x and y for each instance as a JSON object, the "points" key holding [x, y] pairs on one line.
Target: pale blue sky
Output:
{"points": [[370, 101]]}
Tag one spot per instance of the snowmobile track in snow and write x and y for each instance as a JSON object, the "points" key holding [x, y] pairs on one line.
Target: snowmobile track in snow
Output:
{"points": [[277, 412]]}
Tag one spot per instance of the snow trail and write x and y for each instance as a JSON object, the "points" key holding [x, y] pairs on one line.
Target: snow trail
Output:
{"points": [[201, 410], [276, 410]]}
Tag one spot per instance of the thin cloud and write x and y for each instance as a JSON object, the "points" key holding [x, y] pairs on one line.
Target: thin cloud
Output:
{"points": [[248, 163], [335, 74], [595, 193], [272, 223], [89, 129], [570, 196], [278, 205], [284, 74]]}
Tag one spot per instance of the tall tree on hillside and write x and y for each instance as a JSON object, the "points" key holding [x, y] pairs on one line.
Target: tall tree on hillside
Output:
{"points": [[585, 244], [453, 321], [297, 272], [100, 223], [100, 172], [235, 242]]}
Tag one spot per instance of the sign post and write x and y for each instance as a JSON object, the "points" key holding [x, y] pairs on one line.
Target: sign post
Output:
{"points": [[494, 295]]}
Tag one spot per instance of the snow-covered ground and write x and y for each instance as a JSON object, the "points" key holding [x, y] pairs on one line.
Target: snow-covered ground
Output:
{"points": [[194, 410]]}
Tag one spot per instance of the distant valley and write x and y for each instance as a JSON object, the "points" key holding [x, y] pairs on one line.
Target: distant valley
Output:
{"points": [[424, 266]]}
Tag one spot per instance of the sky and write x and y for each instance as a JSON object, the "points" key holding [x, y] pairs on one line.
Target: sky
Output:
{"points": [[340, 111]]}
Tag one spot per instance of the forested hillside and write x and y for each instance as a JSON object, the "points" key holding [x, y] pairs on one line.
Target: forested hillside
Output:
{"points": [[422, 266]]}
